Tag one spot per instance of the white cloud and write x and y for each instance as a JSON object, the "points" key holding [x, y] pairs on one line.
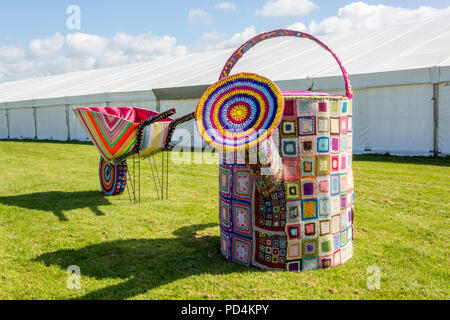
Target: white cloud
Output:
{"points": [[362, 16], [286, 8], [46, 47], [215, 40], [225, 6], [11, 54], [81, 51], [199, 15], [298, 26], [85, 44]]}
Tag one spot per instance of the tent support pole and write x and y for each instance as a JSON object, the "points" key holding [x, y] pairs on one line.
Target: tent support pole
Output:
{"points": [[35, 123], [435, 119], [7, 123], [68, 121]]}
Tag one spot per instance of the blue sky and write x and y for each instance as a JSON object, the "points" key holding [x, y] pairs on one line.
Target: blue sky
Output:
{"points": [[144, 23]]}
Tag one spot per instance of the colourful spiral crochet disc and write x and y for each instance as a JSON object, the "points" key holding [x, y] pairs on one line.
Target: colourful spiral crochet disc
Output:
{"points": [[113, 178], [238, 112]]}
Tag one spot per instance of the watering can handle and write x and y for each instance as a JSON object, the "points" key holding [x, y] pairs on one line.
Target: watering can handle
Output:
{"points": [[282, 33]]}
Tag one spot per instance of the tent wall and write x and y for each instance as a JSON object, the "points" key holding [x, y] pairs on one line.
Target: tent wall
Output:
{"points": [[397, 119], [21, 123], [444, 118], [393, 111], [50, 123]]}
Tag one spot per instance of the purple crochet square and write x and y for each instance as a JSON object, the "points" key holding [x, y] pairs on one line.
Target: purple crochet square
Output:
{"points": [[293, 267], [308, 188], [334, 144], [343, 202]]}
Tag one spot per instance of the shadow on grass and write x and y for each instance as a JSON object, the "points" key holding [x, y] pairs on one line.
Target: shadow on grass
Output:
{"points": [[145, 263], [435, 161], [57, 201]]}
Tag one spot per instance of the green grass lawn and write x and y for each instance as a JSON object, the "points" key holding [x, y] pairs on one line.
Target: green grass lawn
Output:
{"points": [[53, 215]]}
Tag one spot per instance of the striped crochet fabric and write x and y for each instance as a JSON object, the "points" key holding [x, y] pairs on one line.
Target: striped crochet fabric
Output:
{"points": [[154, 137], [113, 136]]}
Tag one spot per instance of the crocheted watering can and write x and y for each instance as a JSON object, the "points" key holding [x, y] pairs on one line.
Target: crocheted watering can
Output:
{"points": [[285, 177]]}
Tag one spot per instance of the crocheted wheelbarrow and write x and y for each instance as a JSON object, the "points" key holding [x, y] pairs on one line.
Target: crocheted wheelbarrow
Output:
{"points": [[285, 179], [122, 132]]}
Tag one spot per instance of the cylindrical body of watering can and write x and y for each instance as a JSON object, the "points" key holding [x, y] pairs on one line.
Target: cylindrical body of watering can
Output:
{"points": [[307, 223]]}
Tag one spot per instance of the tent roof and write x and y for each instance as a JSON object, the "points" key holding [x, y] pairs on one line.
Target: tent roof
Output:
{"points": [[407, 46]]}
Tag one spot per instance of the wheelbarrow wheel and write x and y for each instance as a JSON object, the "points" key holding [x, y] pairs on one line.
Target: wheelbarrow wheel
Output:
{"points": [[113, 178]]}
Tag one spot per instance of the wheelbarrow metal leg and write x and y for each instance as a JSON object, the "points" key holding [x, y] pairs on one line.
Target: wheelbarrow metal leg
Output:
{"points": [[162, 174], [129, 193], [139, 179], [166, 173], [157, 183], [160, 183]]}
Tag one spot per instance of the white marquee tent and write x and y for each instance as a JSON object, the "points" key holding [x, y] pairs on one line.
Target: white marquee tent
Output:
{"points": [[400, 76]]}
